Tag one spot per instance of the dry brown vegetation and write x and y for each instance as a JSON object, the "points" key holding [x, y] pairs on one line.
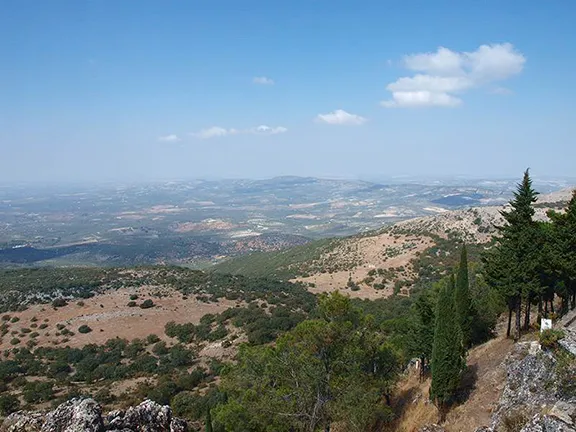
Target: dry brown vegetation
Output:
{"points": [[482, 386], [109, 316]]}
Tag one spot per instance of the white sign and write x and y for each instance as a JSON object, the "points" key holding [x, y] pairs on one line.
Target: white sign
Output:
{"points": [[545, 324]]}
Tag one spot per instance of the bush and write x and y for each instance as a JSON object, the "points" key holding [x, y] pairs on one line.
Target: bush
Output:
{"points": [[134, 297], [59, 302], [14, 341], [15, 320], [152, 339], [147, 304], [84, 329], [549, 338], [8, 404], [131, 304], [38, 392]]}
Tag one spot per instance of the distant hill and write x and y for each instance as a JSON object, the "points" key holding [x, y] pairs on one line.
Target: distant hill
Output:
{"points": [[393, 259]]}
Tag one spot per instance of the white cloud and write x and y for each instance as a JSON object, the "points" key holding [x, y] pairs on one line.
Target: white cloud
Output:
{"points": [[341, 117], [421, 98], [169, 138], [267, 130], [262, 80], [445, 73], [213, 132], [216, 131]]}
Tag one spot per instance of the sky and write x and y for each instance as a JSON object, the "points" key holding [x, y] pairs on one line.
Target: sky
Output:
{"points": [[104, 90]]}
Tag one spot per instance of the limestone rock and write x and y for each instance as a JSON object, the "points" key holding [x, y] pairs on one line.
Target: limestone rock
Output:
{"points": [[85, 415], [22, 422], [76, 415]]}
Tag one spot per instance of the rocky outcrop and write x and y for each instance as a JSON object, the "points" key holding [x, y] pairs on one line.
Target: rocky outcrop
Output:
{"points": [[532, 400], [85, 415]]}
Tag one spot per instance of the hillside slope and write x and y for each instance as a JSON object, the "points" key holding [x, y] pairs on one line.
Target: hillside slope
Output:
{"points": [[376, 264]]}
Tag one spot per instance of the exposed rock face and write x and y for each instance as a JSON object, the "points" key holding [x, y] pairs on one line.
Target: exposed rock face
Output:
{"points": [[531, 400], [85, 415]]}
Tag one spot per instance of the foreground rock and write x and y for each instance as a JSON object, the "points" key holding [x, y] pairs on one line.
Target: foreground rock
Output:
{"points": [[533, 399], [85, 415]]}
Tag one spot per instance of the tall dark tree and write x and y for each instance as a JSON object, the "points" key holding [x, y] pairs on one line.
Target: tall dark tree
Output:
{"points": [[448, 355], [421, 340], [462, 298], [512, 265], [563, 251], [208, 421]]}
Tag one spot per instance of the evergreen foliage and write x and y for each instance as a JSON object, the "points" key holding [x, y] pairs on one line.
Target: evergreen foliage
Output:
{"points": [[463, 302], [448, 355], [512, 265]]}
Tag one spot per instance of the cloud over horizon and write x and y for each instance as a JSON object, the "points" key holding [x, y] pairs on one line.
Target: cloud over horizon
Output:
{"points": [[442, 76], [341, 117], [262, 80], [218, 132], [169, 138]]}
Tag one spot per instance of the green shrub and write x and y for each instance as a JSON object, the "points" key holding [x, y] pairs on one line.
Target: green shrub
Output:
{"points": [[131, 304], [134, 297], [84, 329], [59, 302], [152, 339], [549, 338], [147, 304], [14, 341], [15, 320], [8, 404], [38, 391]]}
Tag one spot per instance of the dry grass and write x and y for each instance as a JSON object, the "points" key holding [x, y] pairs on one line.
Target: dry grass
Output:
{"points": [[369, 253], [415, 410]]}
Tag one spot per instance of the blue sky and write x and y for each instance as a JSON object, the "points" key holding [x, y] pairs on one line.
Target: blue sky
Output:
{"points": [[105, 90]]}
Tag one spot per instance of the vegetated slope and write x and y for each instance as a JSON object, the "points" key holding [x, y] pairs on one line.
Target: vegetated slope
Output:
{"points": [[134, 249], [123, 335], [391, 260]]}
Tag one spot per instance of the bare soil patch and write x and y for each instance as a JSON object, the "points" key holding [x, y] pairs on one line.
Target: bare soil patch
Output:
{"points": [[383, 251], [109, 316]]}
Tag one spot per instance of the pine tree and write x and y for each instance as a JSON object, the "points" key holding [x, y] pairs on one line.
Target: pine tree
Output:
{"points": [[448, 355], [563, 251], [462, 299], [512, 265]]}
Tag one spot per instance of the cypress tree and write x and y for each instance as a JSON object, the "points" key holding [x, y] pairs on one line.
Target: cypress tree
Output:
{"points": [[208, 421], [462, 299], [448, 352]]}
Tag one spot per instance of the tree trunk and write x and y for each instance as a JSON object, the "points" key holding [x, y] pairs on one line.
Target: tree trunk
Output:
{"points": [[509, 321], [527, 314], [518, 318], [327, 427], [552, 305], [539, 308], [546, 308]]}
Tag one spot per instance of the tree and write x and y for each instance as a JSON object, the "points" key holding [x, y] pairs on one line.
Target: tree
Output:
{"points": [[511, 266], [463, 302], [448, 355], [563, 250], [422, 324], [8, 404], [338, 368], [208, 421]]}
